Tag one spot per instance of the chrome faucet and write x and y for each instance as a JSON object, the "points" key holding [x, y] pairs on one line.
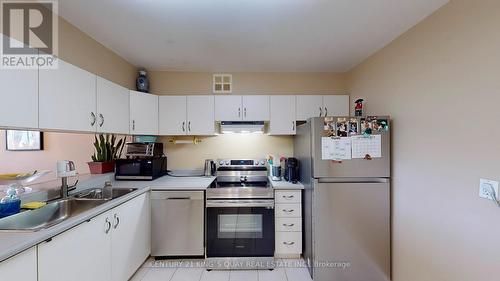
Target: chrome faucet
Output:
{"points": [[64, 170]]}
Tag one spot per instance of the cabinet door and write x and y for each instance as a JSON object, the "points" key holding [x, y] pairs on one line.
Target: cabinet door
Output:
{"points": [[112, 107], [282, 115], [19, 104], [336, 105], [200, 115], [228, 108], [131, 236], [82, 253], [309, 106], [255, 108], [67, 98], [21, 267], [172, 121], [143, 113]]}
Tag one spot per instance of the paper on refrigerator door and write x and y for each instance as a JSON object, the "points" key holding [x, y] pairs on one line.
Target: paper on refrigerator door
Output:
{"points": [[367, 145], [335, 148]]}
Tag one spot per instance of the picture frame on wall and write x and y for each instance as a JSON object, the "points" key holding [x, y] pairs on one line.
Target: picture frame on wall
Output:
{"points": [[23, 140]]}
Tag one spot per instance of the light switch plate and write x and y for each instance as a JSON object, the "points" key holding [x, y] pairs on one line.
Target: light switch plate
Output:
{"points": [[485, 186]]}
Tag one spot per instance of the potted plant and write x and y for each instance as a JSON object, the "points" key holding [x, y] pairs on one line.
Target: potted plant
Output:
{"points": [[106, 151]]}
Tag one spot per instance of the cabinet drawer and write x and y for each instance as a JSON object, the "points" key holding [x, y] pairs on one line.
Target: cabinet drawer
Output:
{"points": [[289, 224], [288, 210], [288, 243], [288, 196]]}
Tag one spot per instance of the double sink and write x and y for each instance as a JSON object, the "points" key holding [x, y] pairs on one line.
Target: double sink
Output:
{"points": [[61, 210]]}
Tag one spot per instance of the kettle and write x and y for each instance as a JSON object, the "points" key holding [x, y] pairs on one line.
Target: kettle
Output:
{"points": [[209, 169], [65, 168]]}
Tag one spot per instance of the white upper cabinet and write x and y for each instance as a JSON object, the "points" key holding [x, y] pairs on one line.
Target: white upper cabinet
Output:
{"points": [[228, 108], [200, 115], [173, 112], [19, 98], [67, 99], [309, 106], [143, 113], [336, 105], [112, 107], [238, 108], [282, 115], [255, 108]]}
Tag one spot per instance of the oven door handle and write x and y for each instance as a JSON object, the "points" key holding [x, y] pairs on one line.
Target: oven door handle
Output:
{"points": [[233, 204]]}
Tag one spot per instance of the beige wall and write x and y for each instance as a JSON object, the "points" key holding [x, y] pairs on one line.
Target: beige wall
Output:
{"points": [[235, 146], [185, 83], [189, 156], [57, 146], [81, 50], [441, 83]]}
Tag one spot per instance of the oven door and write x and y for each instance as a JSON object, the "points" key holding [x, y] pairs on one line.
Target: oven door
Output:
{"points": [[240, 228]]}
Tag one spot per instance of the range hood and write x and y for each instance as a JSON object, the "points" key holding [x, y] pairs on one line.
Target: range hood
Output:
{"points": [[241, 127]]}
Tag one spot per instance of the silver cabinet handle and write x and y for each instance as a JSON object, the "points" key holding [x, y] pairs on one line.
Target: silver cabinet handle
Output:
{"points": [[326, 111], [92, 119], [102, 119], [245, 112], [133, 125], [239, 111], [117, 221], [288, 196], [189, 126], [289, 243], [320, 111], [288, 211], [108, 226], [183, 126], [293, 125], [289, 224]]}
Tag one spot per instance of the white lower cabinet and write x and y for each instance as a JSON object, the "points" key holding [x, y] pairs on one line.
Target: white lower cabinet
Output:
{"points": [[111, 246], [21, 267], [288, 223], [130, 237], [82, 253]]}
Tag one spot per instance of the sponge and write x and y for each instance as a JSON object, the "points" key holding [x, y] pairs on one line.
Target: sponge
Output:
{"points": [[33, 205]]}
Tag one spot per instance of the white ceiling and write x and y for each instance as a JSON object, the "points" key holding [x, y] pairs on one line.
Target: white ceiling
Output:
{"points": [[246, 35]]}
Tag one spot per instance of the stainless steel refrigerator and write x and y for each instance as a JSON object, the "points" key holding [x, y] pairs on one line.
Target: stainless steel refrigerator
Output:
{"points": [[347, 229]]}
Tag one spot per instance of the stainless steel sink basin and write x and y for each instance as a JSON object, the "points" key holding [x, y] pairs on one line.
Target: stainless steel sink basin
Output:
{"points": [[99, 193], [49, 215]]}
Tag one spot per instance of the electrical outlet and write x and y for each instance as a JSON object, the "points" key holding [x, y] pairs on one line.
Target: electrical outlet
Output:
{"points": [[485, 189]]}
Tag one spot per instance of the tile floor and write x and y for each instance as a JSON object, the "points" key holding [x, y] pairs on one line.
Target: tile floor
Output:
{"points": [[194, 270]]}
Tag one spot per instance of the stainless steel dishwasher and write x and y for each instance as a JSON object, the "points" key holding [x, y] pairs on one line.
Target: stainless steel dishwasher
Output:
{"points": [[177, 221]]}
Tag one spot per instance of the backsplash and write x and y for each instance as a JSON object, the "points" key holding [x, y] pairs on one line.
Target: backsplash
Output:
{"points": [[190, 156]]}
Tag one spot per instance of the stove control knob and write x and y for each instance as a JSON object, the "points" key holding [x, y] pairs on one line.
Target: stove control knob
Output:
{"points": [[262, 162], [227, 162], [221, 163], [256, 162]]}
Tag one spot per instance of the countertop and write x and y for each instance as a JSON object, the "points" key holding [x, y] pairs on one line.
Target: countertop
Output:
{"points": [[285, 184], [170, 183], [12, 243]]}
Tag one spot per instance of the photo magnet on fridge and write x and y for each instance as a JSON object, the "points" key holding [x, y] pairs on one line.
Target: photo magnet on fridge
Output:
{"points": [[353, 126], [342, 127], [329, 127]]}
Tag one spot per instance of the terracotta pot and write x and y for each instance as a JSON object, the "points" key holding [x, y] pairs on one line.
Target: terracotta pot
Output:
{"points": [[101, 167]]}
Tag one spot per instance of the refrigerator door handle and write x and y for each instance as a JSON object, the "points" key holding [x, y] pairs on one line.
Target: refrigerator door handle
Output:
{"points": [[353, 180]]}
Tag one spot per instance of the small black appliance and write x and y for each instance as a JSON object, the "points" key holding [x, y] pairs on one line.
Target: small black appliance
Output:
{"points": [[292, 170]]}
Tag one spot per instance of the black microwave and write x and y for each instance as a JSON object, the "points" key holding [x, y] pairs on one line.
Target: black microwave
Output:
{"points": [[148, 168]]}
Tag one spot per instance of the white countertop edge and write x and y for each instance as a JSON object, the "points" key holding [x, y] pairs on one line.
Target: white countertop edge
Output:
{"points": [[277, 185]]}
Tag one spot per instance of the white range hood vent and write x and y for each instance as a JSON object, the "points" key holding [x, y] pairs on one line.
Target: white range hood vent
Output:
{"points": [[241, 127]]}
